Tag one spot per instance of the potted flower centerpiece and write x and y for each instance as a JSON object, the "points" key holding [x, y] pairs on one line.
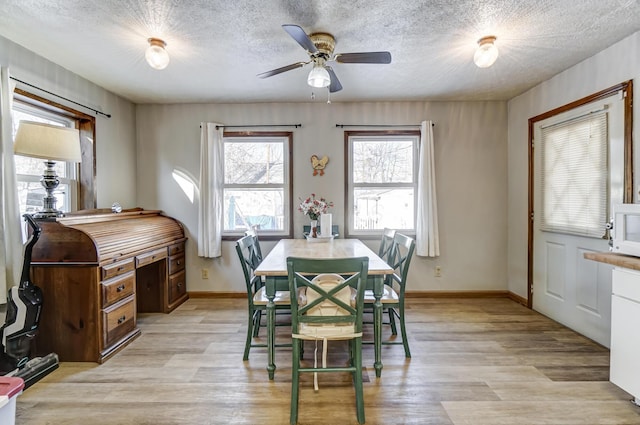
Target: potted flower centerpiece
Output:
{"points": [[313, 207]]}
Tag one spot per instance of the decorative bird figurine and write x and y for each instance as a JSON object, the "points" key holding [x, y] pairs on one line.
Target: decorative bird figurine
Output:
{"points": [[319, 164]]}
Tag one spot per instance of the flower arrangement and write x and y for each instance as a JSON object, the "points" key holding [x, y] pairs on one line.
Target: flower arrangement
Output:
{"points": [[314, 207]]}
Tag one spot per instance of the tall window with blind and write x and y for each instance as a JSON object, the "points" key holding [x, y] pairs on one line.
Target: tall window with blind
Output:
{"points": [[574, 175]]}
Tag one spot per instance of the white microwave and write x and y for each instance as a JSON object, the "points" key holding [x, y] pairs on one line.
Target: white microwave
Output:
{"points": [[626, 229]]}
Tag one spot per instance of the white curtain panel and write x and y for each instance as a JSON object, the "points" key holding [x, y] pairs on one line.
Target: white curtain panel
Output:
{"points": [[11, 248], [427, 239], [211, 197]]}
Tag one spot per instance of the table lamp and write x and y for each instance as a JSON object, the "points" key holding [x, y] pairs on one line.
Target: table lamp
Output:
{"points": [[51, 143]]}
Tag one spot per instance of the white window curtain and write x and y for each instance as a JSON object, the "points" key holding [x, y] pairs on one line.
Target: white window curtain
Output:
{"points": [[427, 239], [10, 234], [211, 196]]}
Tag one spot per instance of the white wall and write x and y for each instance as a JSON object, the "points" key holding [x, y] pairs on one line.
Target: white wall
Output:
{"points": [[115, 136], [471, 169], [618, 63]]}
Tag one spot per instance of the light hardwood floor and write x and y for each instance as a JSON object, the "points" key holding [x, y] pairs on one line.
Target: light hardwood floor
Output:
{"points": [[475, 361]]}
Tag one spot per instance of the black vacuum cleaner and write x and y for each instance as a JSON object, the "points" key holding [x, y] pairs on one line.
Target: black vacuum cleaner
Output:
{"points": [[24, 304]]}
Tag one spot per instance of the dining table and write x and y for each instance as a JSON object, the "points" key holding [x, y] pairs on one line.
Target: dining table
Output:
{"points": [[274, 270]]}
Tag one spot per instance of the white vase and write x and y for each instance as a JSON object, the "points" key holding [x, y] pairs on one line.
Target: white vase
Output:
{"points": [[313, 232]]}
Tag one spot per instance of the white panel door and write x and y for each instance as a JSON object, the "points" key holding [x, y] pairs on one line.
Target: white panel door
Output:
{"points": [[566, 287]]}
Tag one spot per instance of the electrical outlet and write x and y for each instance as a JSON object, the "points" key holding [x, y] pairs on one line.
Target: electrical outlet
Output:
{"points": [[437, 272], [205, 273]]}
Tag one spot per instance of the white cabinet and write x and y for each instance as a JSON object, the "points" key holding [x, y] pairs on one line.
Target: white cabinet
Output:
{"points": [[625, 331]]}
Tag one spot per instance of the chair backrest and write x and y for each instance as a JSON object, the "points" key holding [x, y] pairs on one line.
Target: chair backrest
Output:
{"points": [[245, 247], [339, 276], [386, 243], [400, 259], [257, 250]]}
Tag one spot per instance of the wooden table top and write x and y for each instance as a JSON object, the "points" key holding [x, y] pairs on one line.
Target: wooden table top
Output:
{"points": [[275, 263]]}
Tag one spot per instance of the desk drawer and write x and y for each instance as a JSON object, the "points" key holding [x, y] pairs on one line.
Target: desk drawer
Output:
{"points": [[151, 257], [115, 269], [119, 287], [176, 263], [177, 286], [177, 248], [118, 320]]}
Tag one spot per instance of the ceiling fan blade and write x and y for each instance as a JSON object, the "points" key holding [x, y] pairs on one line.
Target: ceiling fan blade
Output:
{"points": [[335, 85], [364, 57], [301, 37], [281, 70]]}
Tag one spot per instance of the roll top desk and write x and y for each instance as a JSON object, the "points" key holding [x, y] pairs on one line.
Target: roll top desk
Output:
{"points": [[97, 270]]}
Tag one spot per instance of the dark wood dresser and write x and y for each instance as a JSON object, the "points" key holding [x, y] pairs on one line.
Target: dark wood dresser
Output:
{"points": [[97, 269]]}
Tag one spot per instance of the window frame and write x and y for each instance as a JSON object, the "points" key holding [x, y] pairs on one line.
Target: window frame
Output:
{"points": [[287, 184], [86, 125], [350, 186]]}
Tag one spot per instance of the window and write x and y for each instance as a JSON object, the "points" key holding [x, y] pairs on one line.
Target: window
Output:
{"points": [[257, 183], [77, 181], [29, 170], [574, 175], [382, 173]]}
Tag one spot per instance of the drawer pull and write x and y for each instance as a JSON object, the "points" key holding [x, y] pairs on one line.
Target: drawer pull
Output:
{"points": [[178, 262], [120, 288], [120, 268], [179, 284], [122, 319]]}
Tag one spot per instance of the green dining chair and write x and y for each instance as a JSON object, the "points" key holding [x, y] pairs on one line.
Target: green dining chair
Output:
{"points": [[256, 296], [386, 243], [325, 308], [257, 252], [393, 297]]}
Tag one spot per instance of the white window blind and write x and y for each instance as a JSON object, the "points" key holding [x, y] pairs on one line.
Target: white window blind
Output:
{"points": [[575, 175]]}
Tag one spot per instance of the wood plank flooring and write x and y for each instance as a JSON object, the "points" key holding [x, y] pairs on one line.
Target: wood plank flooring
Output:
{"points": [[475, 362]]}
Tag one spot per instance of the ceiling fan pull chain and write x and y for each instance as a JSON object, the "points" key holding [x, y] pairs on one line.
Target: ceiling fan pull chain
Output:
{"points": [[328, 96]]}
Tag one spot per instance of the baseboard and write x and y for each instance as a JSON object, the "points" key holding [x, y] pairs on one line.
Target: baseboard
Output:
{"points": [[458, 294], [409, 294], [202, 294]]}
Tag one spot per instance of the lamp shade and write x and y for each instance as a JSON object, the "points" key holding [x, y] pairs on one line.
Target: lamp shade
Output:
{"points": [[487, 52], [319, 77], [46, 141], [156, 55]]}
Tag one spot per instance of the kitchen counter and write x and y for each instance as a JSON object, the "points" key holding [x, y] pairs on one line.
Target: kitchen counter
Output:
{"points": [[620, 260]]}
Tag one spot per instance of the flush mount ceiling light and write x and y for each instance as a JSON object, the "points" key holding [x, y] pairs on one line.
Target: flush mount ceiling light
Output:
{"points": [[156, 54], [487, 52]]}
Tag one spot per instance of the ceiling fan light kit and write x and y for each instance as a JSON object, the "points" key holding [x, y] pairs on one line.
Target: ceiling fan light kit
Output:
{"points": [[319, 77], [156, 54], [487, 52], [319, 46]]}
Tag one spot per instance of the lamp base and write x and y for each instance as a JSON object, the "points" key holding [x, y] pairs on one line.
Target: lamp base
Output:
{"points": [[48, 214], [49, 182]]}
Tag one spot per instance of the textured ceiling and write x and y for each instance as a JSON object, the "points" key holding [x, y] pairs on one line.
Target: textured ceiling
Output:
{"points": [[217, 47]]}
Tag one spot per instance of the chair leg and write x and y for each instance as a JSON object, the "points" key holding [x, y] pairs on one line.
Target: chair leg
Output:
{"points": [[247, 344], [392, 321], [295, 377], [357, 379], [403, 330], [258, 320]]}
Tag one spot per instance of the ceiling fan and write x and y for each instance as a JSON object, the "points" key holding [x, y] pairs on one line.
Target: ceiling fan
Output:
{"points": [[319, 47]]}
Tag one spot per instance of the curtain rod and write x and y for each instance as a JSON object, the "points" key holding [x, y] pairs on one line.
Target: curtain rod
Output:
{"points": [[258, 125], [380, 125], [61, 97]]}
